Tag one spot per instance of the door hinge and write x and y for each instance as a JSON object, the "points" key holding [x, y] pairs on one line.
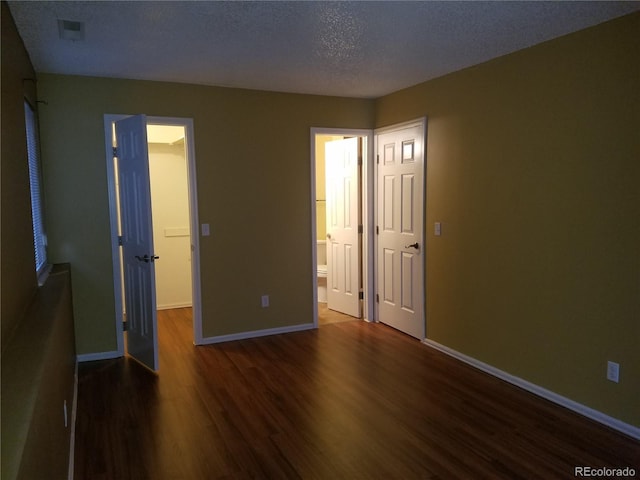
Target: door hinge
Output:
{"points": [[115, 151], [359, 159], [361, 295], [377, 298], [124, 326], [378, 158], [360, 229], [377, 230], [119, 240]]}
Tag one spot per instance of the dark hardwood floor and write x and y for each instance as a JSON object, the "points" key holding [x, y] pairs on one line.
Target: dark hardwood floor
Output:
{"points": [[326, 316], [350, 400]]}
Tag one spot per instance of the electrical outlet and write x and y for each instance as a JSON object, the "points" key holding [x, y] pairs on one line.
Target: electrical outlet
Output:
{"points": [[265, 301], [613, 371]]}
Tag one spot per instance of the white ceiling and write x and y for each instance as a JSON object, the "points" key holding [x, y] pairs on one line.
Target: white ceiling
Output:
{"points": [[355, 49]]}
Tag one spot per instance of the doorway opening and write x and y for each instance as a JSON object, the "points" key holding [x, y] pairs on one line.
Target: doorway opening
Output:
{"points": [[341, 224], [391, 195], [168, 177], [173, 210]]}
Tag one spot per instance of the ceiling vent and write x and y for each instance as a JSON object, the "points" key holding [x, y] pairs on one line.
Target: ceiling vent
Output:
{"points": [[70, 30]]}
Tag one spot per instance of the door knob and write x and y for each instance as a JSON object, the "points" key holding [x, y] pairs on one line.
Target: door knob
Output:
{"points": [[413, 245], [329, 236], [147, 258]]}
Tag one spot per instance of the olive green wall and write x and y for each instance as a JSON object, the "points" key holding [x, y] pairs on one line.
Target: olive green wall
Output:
{"points": [[533, 168], [18, 275], [38, 351], [254, 189]]}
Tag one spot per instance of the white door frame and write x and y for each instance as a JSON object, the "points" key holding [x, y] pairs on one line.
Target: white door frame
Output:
{"points": [[187, 123], [422, 122], [368, 225]]}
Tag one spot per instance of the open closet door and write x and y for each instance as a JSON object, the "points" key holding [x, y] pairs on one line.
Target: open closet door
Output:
{"points": [[137, 239]]}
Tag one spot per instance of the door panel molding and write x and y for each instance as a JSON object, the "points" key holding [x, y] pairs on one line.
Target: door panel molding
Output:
{"points": [[400, 253], [137, 239], [343, 257]]}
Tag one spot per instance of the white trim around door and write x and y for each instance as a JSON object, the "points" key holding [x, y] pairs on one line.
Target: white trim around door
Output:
{"points": [[367, 202], [187, 123]]}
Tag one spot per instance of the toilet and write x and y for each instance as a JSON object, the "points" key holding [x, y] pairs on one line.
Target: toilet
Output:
{"points": [[321, 256]]}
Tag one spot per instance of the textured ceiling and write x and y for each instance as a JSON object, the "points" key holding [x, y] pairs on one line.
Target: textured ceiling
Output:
{"points": [[356, 49]]}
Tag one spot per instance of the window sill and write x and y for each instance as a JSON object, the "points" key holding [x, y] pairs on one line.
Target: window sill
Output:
{"points": [[44, 274]]}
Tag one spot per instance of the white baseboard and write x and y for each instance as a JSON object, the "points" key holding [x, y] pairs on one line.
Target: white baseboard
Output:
{"points": [[92, 357], [588, 412], [169, 306], [72, 439], [255, 333]]}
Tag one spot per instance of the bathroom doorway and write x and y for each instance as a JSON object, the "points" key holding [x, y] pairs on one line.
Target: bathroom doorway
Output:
{"points": [[342, 224]]}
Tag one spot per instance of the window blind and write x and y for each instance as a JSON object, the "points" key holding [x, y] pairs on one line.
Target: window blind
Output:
{"points": [[39, 237]]}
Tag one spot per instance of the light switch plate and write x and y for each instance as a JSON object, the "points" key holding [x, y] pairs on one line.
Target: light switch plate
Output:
{"points": [[205, 230], [437, 229]]}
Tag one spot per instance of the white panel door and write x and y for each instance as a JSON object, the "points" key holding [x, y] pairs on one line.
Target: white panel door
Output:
{"points": [[400, 260], [137, 240], [343, 218]]}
